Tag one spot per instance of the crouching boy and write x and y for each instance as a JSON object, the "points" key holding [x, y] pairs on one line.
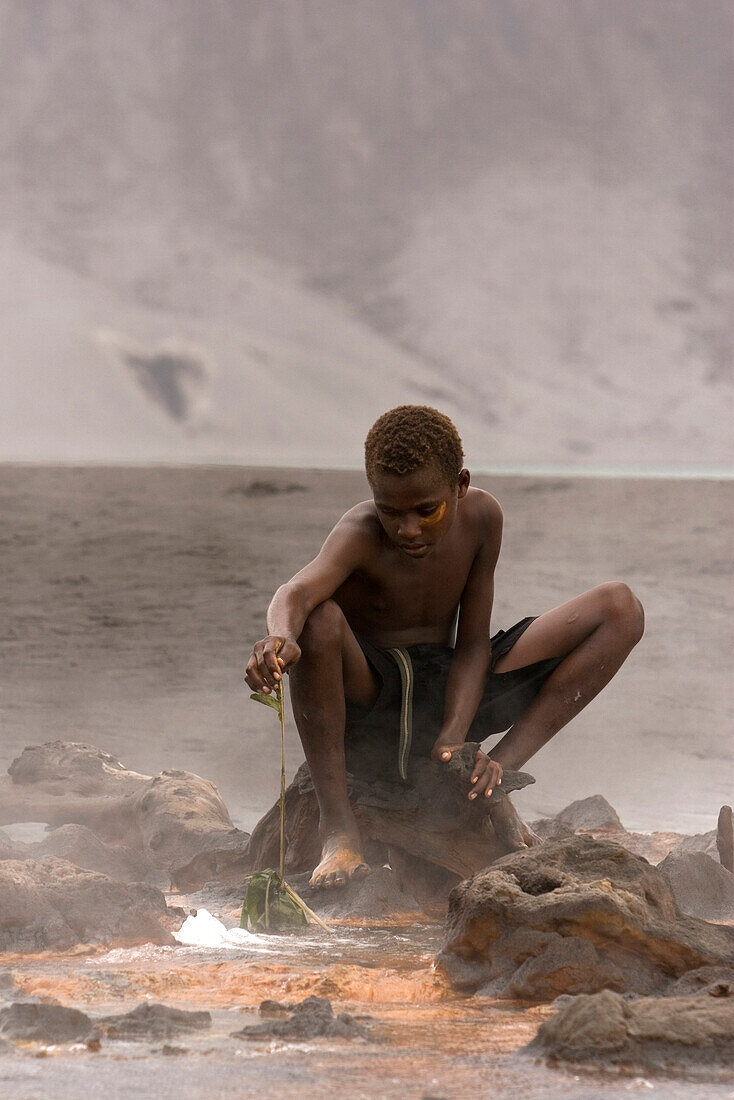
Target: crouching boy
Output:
{"points": [[386, 637]]}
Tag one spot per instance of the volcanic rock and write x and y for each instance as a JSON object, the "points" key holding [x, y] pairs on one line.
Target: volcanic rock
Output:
{"points": [[649, 1033], [152, 1021], [45, 1023], [429, 819], [431, 780], [718, 981], [215, 896], [310, 1019], [725, 838], [168, 819], [11, 849], [593, 814], [616, 914], [82, 847], [51, 904], [700, 885], [699, 842], [376, 895]]}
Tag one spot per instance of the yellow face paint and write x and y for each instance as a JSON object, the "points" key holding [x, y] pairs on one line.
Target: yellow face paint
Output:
{"points": [[431, 521]]}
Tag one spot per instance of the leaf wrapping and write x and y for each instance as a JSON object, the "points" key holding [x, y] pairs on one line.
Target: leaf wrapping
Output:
{"points": [[271, 905]]}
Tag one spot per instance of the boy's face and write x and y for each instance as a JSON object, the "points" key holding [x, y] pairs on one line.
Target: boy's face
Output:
{"points": [[416, 510]]}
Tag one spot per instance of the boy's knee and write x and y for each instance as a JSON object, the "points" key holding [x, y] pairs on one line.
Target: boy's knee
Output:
{"points": [[323, 627], [624, 610]]}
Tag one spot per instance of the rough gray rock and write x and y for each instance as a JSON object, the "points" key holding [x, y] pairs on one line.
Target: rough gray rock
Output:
{"points": [[616, 914], [593, 814], [376, 895], [82, 847], [700, 885], [310, 1019], [11, 849], [216, 896], [665, 1034], [152, 1021], [44, 1023], [10, 991], [725, 838], [49, 904], [168, 819], [7, 979], [716, 980], [431, 780], [557, 965], [699, 842], [429, 819]]}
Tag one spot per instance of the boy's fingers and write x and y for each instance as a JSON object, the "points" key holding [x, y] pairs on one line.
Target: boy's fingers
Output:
{"points": [[252, 676], [271, 662], [266, 675], [484, 784]]}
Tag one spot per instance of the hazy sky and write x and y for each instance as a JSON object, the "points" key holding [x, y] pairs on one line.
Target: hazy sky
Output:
{"points": [[517, 211]]}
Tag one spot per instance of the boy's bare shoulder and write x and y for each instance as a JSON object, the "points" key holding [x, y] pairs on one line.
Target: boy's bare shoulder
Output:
{"points": [[359, 526], [484, 510]]}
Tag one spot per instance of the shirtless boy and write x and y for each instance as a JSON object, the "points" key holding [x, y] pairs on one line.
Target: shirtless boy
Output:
{"points": [[384, 592]]}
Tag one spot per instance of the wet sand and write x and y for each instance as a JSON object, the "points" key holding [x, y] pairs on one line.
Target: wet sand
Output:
{"points": [[130, 598]]}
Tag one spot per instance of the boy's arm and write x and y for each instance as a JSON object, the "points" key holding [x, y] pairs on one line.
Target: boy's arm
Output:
{"points": [[473, 650], [341, 554]]}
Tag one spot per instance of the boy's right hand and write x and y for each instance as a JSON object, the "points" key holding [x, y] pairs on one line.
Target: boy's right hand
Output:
{"points": [[271, 657]]}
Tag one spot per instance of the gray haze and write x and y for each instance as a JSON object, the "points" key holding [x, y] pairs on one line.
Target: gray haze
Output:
{"points": [[239, 231]]}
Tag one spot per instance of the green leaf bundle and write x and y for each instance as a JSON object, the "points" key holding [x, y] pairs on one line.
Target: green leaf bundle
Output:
{"points": [[270, 903]]}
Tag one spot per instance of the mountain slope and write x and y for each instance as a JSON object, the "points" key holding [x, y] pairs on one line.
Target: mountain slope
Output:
{"points": [[529, 203]]}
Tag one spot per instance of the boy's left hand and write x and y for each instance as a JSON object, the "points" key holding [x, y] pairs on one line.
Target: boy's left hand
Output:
{"points": [[487, 773], [486, 776]]}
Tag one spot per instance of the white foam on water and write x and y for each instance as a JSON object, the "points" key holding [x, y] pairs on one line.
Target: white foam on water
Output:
{"points": [[201, 929]]}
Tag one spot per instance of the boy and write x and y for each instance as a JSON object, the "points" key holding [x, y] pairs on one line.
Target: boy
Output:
{"points": [[366, 631]]}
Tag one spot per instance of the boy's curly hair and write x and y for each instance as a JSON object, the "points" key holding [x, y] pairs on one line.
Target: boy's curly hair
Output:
{"points": [[409, 437]]}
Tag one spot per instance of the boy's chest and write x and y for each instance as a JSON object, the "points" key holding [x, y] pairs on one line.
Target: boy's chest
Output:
{"points": [[403, 595]]}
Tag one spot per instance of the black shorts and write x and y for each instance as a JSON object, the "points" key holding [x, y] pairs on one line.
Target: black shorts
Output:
{"points": [[407, 715]]}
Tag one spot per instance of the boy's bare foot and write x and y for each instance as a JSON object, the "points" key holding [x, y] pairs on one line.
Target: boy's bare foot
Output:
{"points": [[509, 828], [341, 861]]}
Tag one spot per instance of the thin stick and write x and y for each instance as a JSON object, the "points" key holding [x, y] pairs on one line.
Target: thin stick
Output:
{"points": [[267, 906], [309, 912], [282, 778]]}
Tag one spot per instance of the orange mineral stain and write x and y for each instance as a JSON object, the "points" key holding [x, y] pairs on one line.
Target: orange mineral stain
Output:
{"points": [[436, 517]]}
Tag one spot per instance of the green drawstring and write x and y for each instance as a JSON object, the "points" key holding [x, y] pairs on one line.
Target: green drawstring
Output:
{"points": [[405, 665]]}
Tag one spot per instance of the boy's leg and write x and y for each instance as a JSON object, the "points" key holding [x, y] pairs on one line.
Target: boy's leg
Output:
{"points": [[594, 633], [332, 668]]}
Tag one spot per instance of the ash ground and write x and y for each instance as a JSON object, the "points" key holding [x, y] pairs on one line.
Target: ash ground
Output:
{"points": [[129, 600], [130, 597]]}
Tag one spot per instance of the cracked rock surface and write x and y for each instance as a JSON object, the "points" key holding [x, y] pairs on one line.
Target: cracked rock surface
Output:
{"points": [[575, 916], [649, 1033]]}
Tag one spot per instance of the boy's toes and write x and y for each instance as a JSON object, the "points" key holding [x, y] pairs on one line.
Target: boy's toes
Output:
{"points": [[530, 837], [339, 866]]}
